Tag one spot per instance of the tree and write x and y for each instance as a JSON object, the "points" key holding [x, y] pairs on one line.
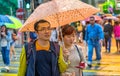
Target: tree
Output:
{"points": [[110, 3], [8, 7]]}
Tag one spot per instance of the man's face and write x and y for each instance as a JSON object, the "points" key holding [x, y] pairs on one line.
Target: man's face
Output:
{"points": [[92, 20], [44, 31]]}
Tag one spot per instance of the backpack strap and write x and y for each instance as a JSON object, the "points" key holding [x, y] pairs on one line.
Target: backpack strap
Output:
{"points": [[28, 49], [57, 48], [79, 53]]}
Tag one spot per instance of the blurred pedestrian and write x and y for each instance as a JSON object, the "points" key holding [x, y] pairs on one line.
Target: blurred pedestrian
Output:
{"points": [[54, 35], [39, 58], [79, 31], [116, 31], [84, 42], [94, 38], [5, 45], [33, 36], [108, 29], [12, 45], [110, 10], [73, 52]]}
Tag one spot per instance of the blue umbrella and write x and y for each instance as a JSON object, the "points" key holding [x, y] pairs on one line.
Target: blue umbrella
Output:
{"points": [[4, 19], [10, 21]]}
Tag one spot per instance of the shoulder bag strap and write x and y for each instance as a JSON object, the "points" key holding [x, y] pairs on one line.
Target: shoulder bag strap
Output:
{"points": [[78, 53], [79, 56]]}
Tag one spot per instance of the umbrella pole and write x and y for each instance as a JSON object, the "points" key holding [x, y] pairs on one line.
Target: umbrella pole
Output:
{"points": [[63, 45], [62, 42]]}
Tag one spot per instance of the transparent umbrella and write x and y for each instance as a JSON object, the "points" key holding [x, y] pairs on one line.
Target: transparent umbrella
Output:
{"points": [[59, 12]]}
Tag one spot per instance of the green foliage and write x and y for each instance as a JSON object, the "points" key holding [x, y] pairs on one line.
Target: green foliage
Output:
{"points": [[7, 6], [111, 3]]}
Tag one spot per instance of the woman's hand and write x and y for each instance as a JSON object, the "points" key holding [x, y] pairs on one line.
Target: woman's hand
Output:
{"points": [[3, 34], [66, 54]]}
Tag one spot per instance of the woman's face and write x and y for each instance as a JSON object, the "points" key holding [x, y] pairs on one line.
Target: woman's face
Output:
{"points": [[69, 39], [3, 28]]}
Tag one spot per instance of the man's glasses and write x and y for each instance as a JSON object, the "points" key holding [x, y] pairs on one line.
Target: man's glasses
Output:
{"points": [[92, 20], [44, 29]]}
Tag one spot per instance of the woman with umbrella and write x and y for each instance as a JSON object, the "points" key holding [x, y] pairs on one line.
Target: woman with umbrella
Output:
{"points": [[72, 54], [5, 45]]}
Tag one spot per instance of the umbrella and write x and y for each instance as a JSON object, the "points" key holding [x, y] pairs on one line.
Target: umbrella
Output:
{"points": [[112, 18], [108, 15], [10, 21], [16, 23], [4, 19], [59, 12], [97, 18]]}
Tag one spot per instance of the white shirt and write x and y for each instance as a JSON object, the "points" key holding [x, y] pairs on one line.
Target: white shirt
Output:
{"points": [[3, 42]]}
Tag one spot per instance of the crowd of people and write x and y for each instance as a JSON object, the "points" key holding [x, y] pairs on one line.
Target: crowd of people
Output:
{"points": [[99, 34], [55, 51]]}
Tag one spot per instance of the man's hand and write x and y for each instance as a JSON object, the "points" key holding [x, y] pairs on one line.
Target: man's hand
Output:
{"points": [[101, 41]]}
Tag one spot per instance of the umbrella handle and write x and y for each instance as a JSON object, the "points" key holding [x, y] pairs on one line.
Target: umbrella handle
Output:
{"points": [[63, 45]]}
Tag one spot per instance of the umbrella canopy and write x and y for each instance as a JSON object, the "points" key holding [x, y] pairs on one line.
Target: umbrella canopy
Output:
{"points": [[112, 18], [16, 23], [4, 19], [10, 21], [108, 15], [59, 12], [97, 18]]}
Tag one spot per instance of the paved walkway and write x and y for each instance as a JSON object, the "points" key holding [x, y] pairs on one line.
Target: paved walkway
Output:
{"points": [[13, 66]]}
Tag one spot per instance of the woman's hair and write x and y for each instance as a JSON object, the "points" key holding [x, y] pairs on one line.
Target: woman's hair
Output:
{"points": [[5, 29], [66, 30]]}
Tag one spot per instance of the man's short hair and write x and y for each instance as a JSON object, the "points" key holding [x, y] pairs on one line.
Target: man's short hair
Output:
{"points": [[92, 17], [40, 21]]}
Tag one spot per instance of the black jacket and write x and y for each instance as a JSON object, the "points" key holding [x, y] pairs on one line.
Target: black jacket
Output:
{"points": [[108, 28]]}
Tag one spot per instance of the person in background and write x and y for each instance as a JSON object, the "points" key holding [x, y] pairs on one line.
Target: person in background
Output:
{"points": [[33, 36], [84, 42], [116, 31], [12, 45], [5, 45], [42, 60], [94, 38], [110, 10], [79, 31], [73, 52], [54, 35], [108, 29]]}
